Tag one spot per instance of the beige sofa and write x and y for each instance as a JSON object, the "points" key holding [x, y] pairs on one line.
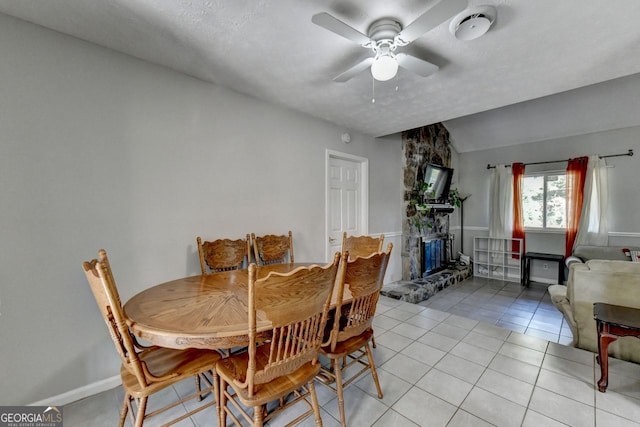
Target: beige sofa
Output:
{"points": [[599, 280]]}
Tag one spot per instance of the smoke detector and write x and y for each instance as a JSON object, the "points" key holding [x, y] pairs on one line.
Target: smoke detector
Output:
{"points": [[473, 22]]}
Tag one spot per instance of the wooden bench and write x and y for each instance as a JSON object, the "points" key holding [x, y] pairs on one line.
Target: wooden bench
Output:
{"points": [[612, 322]]}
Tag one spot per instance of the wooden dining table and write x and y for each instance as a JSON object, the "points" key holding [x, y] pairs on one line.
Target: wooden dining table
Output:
{"points": [[205, 311]]}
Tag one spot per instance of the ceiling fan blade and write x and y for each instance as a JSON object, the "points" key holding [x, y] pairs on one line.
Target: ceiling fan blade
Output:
{"points": [[340, 28], [442, 11], [416, 65], [351, 72]]}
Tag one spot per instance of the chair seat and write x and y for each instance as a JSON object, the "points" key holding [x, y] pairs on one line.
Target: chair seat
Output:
{"points": [[181, 364], [347, 346], [235, 368]]}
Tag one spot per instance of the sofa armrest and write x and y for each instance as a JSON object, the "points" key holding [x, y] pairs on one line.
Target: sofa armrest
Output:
{"points": [[572, 260]]}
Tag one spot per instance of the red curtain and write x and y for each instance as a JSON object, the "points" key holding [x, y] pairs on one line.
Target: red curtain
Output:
{"points": [[517, 169], [576, 176]]}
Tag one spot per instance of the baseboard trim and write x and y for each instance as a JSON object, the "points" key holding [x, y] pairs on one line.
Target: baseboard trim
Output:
{"points": [[80, 392]]}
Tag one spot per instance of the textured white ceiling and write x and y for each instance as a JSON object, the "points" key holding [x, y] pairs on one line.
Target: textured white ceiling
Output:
{"points": [[271, 50]]}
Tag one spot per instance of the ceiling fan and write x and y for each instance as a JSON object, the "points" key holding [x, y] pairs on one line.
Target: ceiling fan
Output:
{"points": [[385, 35]]}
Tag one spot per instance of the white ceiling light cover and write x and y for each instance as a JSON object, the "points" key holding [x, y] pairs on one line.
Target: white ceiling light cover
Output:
{"points": [[473, 22]]}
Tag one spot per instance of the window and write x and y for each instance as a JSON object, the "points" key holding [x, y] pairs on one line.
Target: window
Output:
{"points": [[544, 201]]}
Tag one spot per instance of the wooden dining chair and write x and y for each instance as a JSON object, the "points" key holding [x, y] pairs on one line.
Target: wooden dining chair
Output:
{"points": [[292, 308], [361, 246], [223, 254], [147, 369], [272, 249], [351, 330]]}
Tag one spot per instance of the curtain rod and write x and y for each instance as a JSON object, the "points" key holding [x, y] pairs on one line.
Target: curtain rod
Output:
{"points": [[628, 153]]}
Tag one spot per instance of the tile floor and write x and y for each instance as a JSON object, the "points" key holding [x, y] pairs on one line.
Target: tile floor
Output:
{"points": [[479, 353]]}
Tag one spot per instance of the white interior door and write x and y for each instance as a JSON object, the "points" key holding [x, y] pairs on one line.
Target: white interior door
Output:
{"points": [[347, 198]]}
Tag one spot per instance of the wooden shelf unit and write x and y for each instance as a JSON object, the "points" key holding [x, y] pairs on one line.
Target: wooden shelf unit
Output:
{"points": [[499, 259]]}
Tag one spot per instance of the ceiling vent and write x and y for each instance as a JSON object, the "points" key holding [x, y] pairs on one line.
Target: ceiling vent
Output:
{"points": [[473, 22]]}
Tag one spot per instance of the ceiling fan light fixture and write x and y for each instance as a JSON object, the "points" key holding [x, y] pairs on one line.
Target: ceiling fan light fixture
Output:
{"points": [[384, 67]]}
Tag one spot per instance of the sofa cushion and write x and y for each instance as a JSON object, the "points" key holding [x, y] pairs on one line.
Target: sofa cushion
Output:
{"points": [[586, 252]]}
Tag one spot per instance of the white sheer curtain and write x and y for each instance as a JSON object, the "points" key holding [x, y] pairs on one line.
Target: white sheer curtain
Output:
{"points": [[501, 204], [593, 228]]}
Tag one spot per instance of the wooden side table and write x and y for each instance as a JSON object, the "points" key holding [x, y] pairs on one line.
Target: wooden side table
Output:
{"points": [[526, 260], [612, 322]]}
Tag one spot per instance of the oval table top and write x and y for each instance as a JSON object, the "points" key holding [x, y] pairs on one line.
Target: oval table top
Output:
{"points": [[207, 311]]}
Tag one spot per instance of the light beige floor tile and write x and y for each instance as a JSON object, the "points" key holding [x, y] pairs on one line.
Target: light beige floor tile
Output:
{"points": [[405, 368], [441, 342], [460, 368], [515, 368], [102, 408], [361, 409], [410, 331], [392, 418], [522, 353], [562, 408], [528, 341], [434, 314], [393, 341], [411, 308], [445, 386], [483, 341], [506, 386], [618, 404], [472, 353], [423, 353], [424, 408], [569, 387], [623, 384], [621, 367], [381, 354], [569, 368], [385, 322], [536, 419], [461, 322], [492, 331], [423, 322], [549, 336], [493, 409], [392, 386], [398, 314], [607, 419], [464, 419], [450, 331]]}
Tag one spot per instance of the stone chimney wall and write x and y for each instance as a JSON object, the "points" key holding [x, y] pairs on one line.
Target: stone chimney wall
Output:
{"points": [[428, 144]]}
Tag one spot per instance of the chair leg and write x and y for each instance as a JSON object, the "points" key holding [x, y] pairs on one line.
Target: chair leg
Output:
{"points": [[222, 413], [142, 409], [124, 410], [258, 415], [337, 369], [374, 372], [373, 341], [198, 387], [314, 403], [216, 391]]}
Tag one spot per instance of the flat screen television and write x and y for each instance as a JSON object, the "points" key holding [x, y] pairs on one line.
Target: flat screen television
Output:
{"points": [[440, 179]]}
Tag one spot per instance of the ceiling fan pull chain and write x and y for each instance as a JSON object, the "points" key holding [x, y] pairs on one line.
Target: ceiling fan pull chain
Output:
{"points": [[373, 90]]}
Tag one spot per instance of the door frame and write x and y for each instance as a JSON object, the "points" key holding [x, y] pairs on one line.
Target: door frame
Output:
{"points": [[364, 193]]}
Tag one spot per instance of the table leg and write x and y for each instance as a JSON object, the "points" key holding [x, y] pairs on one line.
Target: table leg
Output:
{"points": [[604, 339]]}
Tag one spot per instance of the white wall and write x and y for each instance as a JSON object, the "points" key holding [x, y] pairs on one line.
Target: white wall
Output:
{"points": [[624, 201], [100, 150]]}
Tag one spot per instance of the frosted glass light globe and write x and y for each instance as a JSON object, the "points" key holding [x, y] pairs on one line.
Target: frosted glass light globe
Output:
{"points": [[384, 68]]}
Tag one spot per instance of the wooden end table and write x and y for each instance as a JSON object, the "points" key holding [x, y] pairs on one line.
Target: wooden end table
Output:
{"points": [[612, 322]]}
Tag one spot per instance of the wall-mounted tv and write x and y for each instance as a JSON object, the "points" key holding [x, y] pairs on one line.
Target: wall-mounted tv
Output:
{"points": [[440, 179]]}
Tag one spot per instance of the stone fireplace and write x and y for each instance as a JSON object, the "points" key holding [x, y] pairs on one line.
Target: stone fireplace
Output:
{"points": [[428, 144]]}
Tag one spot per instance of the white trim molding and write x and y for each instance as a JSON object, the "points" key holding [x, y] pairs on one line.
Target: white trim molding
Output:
{"points": [[80, 392]]}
